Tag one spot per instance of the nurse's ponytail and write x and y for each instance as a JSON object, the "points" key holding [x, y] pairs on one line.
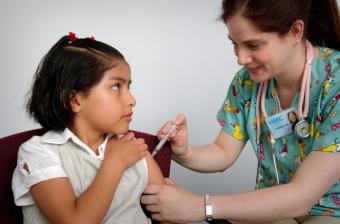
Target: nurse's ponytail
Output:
{"points": [[323, 23]]}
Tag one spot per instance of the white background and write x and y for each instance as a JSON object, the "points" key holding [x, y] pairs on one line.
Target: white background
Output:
{"points": [[179, 53]]}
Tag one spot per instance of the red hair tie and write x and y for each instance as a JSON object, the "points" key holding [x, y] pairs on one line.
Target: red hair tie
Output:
{"points": [[72, 36]]}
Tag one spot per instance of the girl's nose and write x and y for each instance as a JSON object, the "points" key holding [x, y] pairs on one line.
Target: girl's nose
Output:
{"points": [[131, 99]]}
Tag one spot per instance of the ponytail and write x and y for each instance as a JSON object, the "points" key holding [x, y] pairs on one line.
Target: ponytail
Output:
{"points": [[71, 65], [323, 24]]}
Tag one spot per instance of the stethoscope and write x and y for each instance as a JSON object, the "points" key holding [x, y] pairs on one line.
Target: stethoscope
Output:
{"points": [[302, 128]]}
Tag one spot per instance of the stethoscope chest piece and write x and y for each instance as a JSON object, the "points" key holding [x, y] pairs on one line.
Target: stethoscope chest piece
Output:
{"points": [[302, 129]]}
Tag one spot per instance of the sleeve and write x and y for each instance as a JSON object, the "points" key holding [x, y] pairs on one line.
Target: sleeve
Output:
{"points": [[232, 114], [327, 133], [35, 163]]}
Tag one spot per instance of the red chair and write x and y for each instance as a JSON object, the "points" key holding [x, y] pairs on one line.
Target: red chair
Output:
{"points": [[9, 212]]}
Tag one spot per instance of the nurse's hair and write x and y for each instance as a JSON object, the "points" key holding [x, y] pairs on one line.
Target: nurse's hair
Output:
{"points": [[72, 65], [321, 17]]}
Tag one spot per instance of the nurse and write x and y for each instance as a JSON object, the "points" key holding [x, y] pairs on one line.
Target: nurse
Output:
{"points": [[290, 55]]}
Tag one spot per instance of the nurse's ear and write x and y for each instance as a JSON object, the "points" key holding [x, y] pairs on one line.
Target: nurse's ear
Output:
{"points": [[296, 31]]}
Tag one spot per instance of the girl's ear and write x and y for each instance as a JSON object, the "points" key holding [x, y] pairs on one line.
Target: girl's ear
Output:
{"points": [[297, 30], [75, 102]]}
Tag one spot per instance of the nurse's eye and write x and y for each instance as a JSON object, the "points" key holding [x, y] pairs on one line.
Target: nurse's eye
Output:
{"points": [[254, 46], [235, 46]]}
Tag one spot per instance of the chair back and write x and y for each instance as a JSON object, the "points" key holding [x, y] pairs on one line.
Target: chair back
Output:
{"points": [[12, 214]]}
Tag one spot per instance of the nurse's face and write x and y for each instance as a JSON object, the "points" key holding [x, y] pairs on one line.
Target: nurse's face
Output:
{"points": [[265, 54]]}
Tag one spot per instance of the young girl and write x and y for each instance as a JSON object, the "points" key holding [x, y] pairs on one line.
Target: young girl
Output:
{"points": [[86, 168], [290, 55]]}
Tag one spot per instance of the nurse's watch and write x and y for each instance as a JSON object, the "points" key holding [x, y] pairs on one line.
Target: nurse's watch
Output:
{"points": [[208, 208]]}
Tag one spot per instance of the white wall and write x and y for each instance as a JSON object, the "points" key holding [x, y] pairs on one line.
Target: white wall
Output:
{"points": [[179, 53]]}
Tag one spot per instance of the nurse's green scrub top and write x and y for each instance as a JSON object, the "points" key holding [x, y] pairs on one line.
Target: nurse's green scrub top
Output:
{"points": [[237, 118]]}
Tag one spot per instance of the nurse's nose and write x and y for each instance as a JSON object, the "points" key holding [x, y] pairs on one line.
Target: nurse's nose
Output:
{"points": [[243, 57]]}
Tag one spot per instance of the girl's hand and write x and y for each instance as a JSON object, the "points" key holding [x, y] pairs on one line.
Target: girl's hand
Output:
{"points": [[125, 150], [179, 138]]}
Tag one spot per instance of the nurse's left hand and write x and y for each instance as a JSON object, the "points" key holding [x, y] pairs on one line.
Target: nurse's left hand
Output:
{"points": [[173, 203]]}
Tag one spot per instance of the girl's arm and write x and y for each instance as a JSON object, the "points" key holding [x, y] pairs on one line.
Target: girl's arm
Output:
{"points": [[155, 175], [57, 201]]}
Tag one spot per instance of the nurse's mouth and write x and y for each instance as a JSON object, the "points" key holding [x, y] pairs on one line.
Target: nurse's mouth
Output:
{"points": [[254, 70]]}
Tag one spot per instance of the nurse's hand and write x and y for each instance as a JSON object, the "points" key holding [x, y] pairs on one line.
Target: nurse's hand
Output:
{"points": [[173, 203], [179, 138]]}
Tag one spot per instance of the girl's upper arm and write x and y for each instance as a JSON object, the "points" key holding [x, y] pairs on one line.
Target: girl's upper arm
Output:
{"points": [[55, 198], [44, 181], [155, 175], [36, 163]]}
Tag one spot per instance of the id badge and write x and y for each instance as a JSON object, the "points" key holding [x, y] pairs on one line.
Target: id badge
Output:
{"points": [[281, 124]]}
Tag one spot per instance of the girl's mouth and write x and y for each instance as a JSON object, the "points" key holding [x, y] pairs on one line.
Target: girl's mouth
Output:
{"points": [[127, 117]]}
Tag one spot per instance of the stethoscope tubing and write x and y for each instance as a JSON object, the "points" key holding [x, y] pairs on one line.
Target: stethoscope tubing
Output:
{"points": [[303, 107]]}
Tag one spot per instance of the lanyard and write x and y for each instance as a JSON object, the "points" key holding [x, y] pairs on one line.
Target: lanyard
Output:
{"points": [[303, 107]]}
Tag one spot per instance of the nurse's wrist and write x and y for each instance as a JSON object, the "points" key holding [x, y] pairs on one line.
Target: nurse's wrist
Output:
{"points": [[181, 157], [198, 211]]}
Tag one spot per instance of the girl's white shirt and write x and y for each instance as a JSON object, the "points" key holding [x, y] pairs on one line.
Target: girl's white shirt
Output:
{"points": [[44, 164]]}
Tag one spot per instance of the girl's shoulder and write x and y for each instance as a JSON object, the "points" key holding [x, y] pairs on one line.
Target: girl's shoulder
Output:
{"points": [[38, 146], [32, 144], [36, 162]]}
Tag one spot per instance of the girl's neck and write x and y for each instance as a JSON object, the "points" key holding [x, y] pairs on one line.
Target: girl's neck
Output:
{"points": [[91, 138]]}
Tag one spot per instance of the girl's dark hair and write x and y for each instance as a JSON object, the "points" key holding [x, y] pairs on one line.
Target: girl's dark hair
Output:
{"points": [[70, 66], [321, 17]]}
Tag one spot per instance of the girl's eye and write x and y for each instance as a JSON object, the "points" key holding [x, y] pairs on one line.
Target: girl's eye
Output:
{"points": [[116, 87]]}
